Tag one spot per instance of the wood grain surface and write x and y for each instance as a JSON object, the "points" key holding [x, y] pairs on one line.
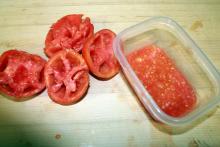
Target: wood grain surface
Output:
{"points": [[110, 114]]}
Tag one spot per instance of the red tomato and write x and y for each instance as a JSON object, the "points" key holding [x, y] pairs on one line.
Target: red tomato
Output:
{"points": [[21, 74], [69, 32], [67, 78], [99, 55], [166, 84]]}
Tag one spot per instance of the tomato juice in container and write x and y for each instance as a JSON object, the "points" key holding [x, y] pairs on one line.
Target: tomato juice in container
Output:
{"points": [[170, 74]]}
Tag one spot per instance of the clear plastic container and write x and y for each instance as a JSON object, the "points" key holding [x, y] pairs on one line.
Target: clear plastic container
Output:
{"points": [[188, 57]]}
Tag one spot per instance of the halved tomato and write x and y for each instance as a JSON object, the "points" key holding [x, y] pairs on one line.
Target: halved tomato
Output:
{"points": [[99, 56], [69, 32], [67, 78], [21, 74]]}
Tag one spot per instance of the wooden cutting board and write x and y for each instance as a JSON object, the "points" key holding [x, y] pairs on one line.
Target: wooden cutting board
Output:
{"points": [[110, 114]]}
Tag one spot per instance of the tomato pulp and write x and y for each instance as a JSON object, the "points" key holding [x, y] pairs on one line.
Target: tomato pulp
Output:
{"points": [[165, 83]]}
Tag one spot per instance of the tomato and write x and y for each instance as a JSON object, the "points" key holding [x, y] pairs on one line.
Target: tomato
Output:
{"points": [[99, 56], [67, 78], [69, 32], [21, 74], [165, 83]]}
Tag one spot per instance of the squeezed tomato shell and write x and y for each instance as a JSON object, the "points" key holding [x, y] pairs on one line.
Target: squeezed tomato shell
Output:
{"points": [[66, 76]]}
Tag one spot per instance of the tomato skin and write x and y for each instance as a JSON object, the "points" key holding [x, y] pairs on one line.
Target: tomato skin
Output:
{"points": [[21, 74], [69, 32], [101, 60], [165, 83], [66, 76]]}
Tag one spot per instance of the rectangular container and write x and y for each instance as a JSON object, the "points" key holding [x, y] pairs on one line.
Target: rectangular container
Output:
{"points": [[188, 57]]}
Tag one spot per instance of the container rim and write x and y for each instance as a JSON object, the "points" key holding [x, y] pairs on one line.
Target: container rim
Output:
{"points": [[146, 98]]}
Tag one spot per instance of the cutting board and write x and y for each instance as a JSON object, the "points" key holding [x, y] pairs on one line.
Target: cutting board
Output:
{"points": [[110, 114]]}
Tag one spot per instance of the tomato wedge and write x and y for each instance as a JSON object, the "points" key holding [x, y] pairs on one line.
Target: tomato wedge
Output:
{"points": [[67, 78], [21, 74], [69, 32], [99, 56]]}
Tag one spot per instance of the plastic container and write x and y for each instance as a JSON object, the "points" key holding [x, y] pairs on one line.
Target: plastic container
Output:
{"points": [[188, 57]]}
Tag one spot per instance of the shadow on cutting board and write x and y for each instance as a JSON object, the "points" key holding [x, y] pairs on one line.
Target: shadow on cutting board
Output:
{"points": [[166, 128], [13, 132], [182, 129]]}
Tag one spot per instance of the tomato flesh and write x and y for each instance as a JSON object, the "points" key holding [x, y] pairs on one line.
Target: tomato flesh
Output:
{"points": [[98, 53], [70, 32], [165, 83], [21, 74], [67, 77]]}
